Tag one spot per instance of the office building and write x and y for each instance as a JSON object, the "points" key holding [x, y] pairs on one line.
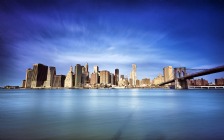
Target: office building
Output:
{"points": [[219, 82], [130, 82], [145, 82], [112, 79], [59, 81], [78, 75], [50, 77], [159, 79], [95, 69], [116, 76], [68, 83], [198, 82], [94, 79], [39, 75], [133, 74], [29, 73], [168, 73], [137, 83], [85, 74], [104, 77]]}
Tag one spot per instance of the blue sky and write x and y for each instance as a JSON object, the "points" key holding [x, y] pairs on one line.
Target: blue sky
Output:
{"points": [[111, 34]]}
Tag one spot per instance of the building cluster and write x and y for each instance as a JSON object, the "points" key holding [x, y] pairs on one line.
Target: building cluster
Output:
{"points": [[198, 82], [42, 76], [167, 75]]}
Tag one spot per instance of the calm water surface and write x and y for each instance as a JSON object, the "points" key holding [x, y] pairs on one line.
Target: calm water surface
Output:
{"points": [[112, 114]]}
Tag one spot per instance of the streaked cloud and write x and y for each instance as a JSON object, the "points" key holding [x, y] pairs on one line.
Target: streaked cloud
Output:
{"points": [[110, 34]]}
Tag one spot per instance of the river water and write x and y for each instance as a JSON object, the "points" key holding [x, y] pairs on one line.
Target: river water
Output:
{"points": [[112, 114]]}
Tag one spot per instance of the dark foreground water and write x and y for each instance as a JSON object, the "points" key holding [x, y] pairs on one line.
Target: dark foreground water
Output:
{"points": [[111, 114]]}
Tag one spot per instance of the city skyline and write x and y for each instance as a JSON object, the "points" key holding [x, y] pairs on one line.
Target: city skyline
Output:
{"points": [[110, 34]]}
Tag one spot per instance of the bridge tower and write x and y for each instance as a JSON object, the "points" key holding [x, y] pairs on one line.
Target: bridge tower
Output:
{"points": [[179, 74]]}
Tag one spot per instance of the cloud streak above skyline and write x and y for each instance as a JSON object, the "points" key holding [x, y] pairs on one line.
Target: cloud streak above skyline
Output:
{"points": [[110, 34]]}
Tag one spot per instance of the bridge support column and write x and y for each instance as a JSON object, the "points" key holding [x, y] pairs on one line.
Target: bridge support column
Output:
{"points": [[181, 84]]}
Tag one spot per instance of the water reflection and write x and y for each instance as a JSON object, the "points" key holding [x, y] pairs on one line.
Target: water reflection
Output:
{"points": [[111, 114]]}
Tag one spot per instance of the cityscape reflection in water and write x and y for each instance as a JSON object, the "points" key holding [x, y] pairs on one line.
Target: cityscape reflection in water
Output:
{"points": [[112, 114]]}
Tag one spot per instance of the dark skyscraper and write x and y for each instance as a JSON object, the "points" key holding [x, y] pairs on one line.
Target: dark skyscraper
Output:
{"points": [[50, 77], [39, 75], [116, 76], [78, 75]]}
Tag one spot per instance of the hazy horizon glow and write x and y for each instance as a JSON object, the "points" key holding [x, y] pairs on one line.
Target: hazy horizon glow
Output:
{"points": [[111, 34]]}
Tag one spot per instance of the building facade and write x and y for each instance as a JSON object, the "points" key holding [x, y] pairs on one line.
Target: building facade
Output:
{"points": [[104, 77], [78, 75], [112, 79], [29, 73], [219, 82], [159, 79], [145, 82], [116, 76], [39, 75], [95, 69], [168, 73], [50, 77], [133, 74], [68, 82], [58, 81]]}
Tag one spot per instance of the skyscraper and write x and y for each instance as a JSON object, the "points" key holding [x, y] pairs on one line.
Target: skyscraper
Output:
{"points": [[133, 75], [112, 79], [78, 75], [85, 74], [50, 77], [116, 76], [95, 69], [29, 73], [59, 81], [69, 79], [94, 78], [104, 77], [168, 73], [87, 67], [39, 75]]}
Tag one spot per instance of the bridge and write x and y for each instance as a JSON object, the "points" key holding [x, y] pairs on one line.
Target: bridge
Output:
{"points": [[181, 76]]}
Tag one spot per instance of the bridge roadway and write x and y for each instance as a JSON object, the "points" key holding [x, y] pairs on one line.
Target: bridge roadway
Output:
{"points": [[205, 72]]}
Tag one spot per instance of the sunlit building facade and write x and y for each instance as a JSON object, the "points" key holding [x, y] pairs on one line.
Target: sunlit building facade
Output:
{"points": [[69, 79], [133, 74]]}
